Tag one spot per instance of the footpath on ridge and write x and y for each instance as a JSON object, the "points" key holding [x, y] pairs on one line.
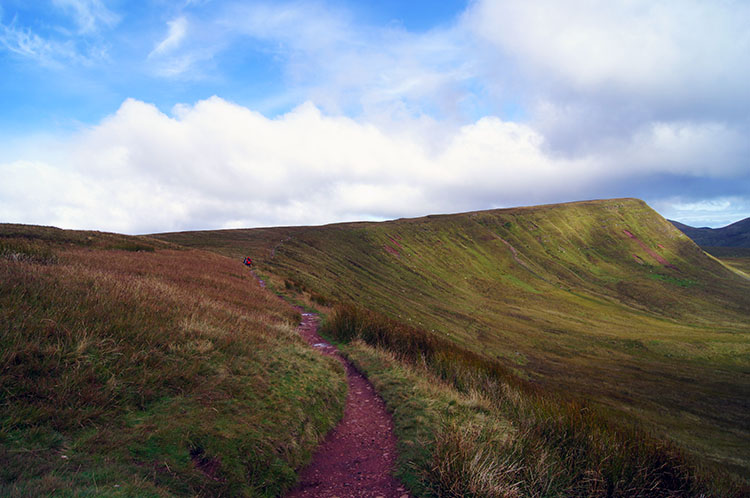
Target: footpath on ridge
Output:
{"points": [[358, 455]]}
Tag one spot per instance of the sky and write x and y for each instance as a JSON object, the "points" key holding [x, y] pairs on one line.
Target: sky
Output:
{"points": [[158, 115]]}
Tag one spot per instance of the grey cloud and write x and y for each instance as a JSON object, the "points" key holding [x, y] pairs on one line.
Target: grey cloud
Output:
{"points": [[599, 72]]}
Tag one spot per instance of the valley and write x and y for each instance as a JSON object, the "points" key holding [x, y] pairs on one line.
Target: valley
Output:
{"points": [[601, 300]]}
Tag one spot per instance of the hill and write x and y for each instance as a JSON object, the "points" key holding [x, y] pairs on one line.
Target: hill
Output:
{"points": [[734, 235], [134, 367], [602, 301]]}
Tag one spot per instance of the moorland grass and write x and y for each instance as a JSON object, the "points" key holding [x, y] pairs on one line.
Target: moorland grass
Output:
{"points": [[741, 264], [602, 300], [645, 325], [150, 372], [469, 427]]}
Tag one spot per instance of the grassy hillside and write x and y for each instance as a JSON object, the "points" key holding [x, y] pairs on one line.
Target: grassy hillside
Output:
{"points": [[131, 367], [260, 243], [740, 264], [601, 300]]}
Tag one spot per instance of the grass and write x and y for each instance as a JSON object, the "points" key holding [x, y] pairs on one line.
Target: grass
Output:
{"points": [[21, 250], [737, 258], [740, 264], [129, 367], [468, 427], [427, 414], [602, 301]]}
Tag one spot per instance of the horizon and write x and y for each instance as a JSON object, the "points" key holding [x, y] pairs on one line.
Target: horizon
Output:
{"points": [[156, 117], [345, 222]]}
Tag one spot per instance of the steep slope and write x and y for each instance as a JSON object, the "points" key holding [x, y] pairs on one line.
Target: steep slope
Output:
{"points": [[132, 367], [734, 235], [603, 300]]}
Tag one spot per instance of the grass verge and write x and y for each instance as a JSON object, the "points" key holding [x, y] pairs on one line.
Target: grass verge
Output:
{"points": [[468, 427]]}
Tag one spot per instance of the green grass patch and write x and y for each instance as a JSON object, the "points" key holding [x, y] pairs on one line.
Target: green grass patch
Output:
{"points": [[680, 282]]}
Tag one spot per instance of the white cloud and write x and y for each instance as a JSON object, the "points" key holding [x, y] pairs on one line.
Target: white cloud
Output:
{"points": [[218, 164], [56, 47], [175, 35], [346, 67], [601, 66], [696, 149], [711, 205], [89, 15], [188, 49], [25, 43]]}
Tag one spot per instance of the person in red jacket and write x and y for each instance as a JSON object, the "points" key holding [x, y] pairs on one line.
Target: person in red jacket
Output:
{"points": [[248, 262]]}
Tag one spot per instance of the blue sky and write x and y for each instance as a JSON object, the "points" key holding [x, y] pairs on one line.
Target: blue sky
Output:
{"points": [[157, 115], [83, 58]]}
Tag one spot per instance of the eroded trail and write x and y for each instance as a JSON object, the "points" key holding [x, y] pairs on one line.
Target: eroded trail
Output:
{"points": [[357, 457]]}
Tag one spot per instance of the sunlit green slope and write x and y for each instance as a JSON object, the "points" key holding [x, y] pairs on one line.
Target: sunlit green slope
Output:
{"points": [[604, 300]]}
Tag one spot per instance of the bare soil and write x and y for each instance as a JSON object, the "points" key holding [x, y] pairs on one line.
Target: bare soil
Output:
{"points": [[358, 456]]}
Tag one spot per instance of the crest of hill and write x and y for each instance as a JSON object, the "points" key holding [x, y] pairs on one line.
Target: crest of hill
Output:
{"points": [[589, 245], [619, 250], [736, 235], [59, 238], [263, 242]]}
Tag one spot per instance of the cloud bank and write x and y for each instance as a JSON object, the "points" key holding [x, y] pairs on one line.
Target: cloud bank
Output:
{"points": [[141, 170]]}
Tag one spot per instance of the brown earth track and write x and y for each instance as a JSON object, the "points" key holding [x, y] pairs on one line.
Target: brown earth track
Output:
{"points": [[658, 257], [358, 456]]}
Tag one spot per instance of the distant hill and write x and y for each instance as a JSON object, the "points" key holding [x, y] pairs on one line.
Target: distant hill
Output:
{"points": [[734, 235]]}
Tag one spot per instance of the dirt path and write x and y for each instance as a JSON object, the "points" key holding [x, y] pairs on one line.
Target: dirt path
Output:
{"points": [[357, 457]]}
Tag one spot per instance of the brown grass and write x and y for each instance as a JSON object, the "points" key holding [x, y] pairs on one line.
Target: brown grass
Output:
{"points": [[136, 371]]}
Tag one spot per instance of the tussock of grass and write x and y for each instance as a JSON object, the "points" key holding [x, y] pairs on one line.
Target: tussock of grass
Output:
{"points": [[518, 440], [124, 372], [464, 464], [26, 251]]}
